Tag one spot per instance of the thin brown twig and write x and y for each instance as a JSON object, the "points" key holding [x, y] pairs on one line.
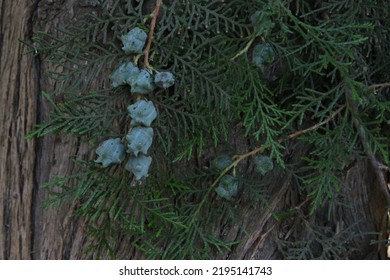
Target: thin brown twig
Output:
{"points": [[316, 126], [239, 158], [382, 85], [155, 13]]}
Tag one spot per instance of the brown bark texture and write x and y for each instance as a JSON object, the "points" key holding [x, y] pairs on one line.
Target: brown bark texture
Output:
{"points": [[27, 231]]}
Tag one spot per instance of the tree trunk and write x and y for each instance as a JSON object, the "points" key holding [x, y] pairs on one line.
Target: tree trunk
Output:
{"points": [[17, 117], [27, 231]]}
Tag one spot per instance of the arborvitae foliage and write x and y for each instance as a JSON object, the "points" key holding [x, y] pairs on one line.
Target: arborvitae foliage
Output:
{"points": [[324, 82]]}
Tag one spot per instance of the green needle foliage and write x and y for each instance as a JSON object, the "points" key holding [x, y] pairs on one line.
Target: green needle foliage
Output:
{"points": [[328, 55]]}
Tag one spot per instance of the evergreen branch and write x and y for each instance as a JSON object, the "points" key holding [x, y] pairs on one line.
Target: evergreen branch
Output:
{"points": [[203, 80], [80, 115], [162, 214], [151, 32], [239, 158], [315, 127]]}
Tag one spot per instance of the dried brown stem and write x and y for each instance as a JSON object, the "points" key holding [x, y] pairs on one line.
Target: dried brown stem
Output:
{"points": [[239, 158], [376, 86], [314, 127], [151, 32]]}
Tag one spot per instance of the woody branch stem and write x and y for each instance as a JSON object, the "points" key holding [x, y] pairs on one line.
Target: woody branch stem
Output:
{"points": [[155, 13], [239, 158]]}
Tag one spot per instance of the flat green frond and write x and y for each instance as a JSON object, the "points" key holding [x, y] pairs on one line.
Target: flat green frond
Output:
{"points": [[81, 115]]}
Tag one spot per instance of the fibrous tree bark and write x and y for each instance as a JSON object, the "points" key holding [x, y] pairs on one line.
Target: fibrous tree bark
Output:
{"points": [[17, 117], [26, 230]]}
